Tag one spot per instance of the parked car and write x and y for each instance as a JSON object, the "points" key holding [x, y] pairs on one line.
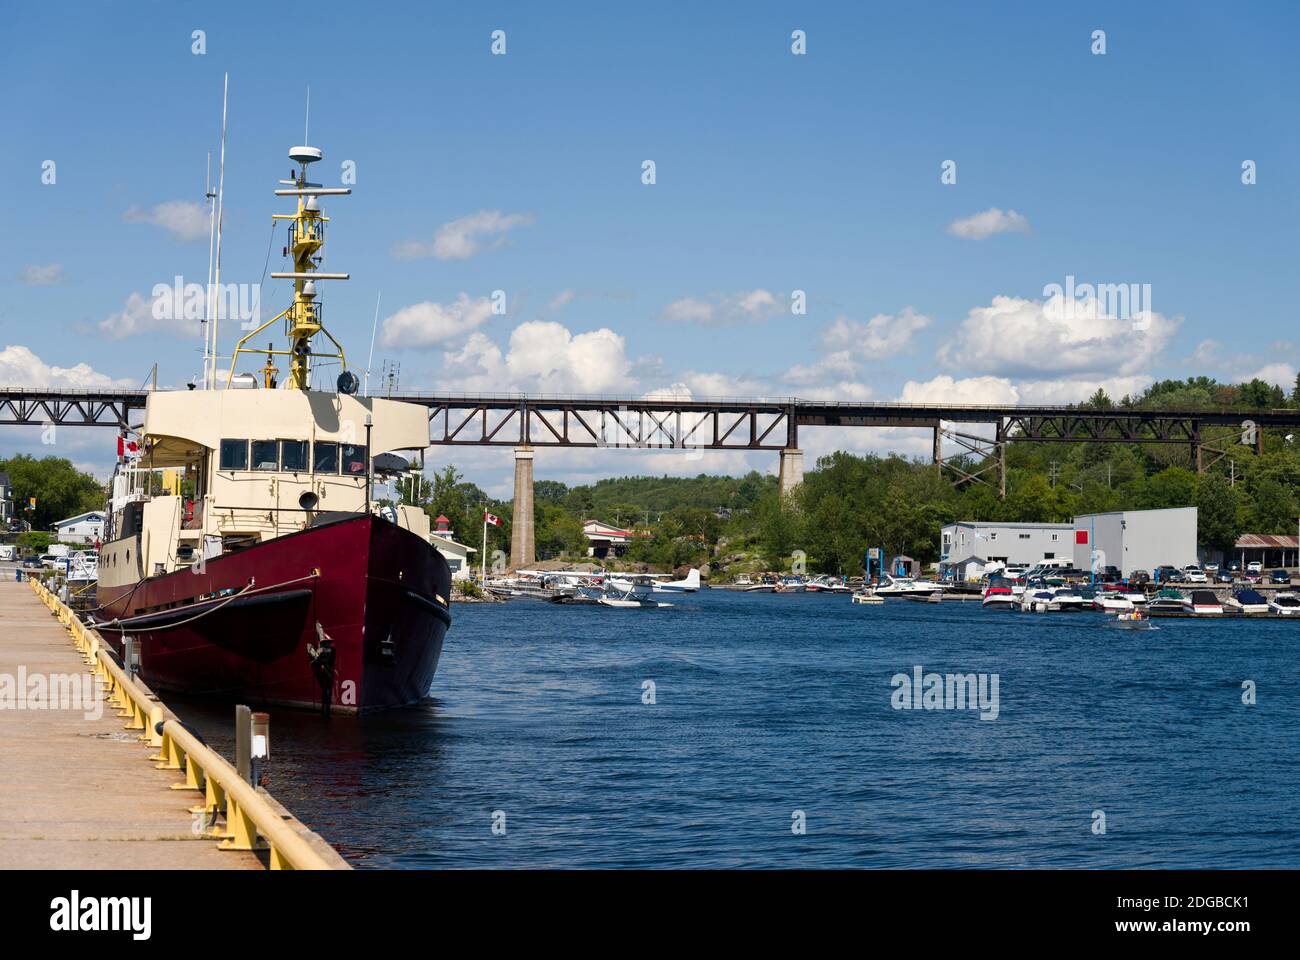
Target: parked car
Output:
{"points": [[1194, 574], [1139, 577], [1253, 576], [1279, 576], [1234, 567], [32, 562], [1210, 569], [1108, 575], [1223, 576], [1255, 566], [1168, 574]]}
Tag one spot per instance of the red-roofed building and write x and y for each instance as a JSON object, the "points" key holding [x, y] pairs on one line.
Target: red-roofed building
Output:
{"points": [[1269, 549], [604, 540]]}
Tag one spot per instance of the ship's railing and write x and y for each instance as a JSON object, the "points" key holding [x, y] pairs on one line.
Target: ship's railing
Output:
{"points": [[250, 820]]}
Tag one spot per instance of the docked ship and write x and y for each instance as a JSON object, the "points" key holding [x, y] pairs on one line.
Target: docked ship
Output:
{"points": [[243, 553]]}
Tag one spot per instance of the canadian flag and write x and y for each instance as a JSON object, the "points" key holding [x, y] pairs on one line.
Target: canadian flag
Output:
{"points": [[492, 519], [128, 446]]}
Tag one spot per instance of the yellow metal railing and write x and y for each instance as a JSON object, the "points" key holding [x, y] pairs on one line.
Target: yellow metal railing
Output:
{"points": [[250, 820]]}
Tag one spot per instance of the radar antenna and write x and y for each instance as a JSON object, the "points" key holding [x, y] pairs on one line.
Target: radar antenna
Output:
{"points": [[306, 238]]}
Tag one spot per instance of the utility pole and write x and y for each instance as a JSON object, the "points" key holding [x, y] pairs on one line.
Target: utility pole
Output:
{"points": [[1052, 472]]}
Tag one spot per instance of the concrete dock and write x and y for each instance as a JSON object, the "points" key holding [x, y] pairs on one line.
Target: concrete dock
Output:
{"points": [[77, 791]]}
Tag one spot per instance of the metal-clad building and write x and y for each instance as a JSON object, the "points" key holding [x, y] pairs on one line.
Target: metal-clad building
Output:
{"points": [[1136, 539], [1009, 544]]}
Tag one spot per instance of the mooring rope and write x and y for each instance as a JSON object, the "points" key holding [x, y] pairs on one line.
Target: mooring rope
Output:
{"points": [[113, 625]]}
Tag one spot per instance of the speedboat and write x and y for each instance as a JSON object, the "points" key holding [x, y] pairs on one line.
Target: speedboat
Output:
{"points": [[867, 596], [1203, 603], [1039, 601], [1069, 599], [826, 584], [789, 585], [1247, 602], [1112, 602], [898, 586], [1168, 599], [1285, 604], [998, 597], [1133, 620]]}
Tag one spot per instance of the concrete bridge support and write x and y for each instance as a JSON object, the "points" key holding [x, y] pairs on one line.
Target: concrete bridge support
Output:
{"points": [[791, 474], [523, 546]]}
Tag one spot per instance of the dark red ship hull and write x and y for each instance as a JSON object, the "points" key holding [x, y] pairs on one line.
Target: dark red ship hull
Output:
{"points": [[379, 592]]}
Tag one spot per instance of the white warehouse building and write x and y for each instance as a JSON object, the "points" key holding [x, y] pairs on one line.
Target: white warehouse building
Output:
{"points": [[968, 548], [1136, 539]]}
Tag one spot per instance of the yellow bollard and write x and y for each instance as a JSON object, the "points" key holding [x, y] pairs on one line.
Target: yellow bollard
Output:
{"points": [[155, 719]]}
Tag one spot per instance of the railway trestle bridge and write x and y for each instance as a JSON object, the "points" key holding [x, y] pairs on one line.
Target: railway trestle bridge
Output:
{"points": [[977, 436]]}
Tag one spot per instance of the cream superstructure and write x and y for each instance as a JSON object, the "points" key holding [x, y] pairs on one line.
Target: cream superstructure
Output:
{"points": [[221, 470]]}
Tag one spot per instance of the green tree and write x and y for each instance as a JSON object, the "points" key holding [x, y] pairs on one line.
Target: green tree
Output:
{"points": [[779, 528], [1216, 507], [556, 531], [1171, 487], [60, 489], [1273, 508]]}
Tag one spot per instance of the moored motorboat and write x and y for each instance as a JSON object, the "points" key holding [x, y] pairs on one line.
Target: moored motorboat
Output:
{"points": [[1069, 599], [999, 598], [1247, 602], [1168, 599], [1285, 604], [1039, 601], [899, 586], [1203, 603], [1112, 602]]}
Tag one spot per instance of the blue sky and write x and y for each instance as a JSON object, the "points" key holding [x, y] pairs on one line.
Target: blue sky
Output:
{"points": [[775, 172]]}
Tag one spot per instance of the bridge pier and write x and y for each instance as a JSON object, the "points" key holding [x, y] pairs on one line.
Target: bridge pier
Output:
{"points": [[523, 548], [791, 473]]}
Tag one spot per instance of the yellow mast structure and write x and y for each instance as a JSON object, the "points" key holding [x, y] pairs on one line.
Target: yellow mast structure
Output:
{"points": [[303, 316]]}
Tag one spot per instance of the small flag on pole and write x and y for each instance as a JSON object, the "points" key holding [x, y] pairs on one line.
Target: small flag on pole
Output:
{"points": [[492, 519], [127, 446]]}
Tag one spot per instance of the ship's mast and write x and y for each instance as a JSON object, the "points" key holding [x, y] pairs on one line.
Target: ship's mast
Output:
{"points": [[303, 315]]}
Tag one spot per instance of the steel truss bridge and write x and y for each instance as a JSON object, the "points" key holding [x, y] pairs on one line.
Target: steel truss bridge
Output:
{"points": [[666, 423]]}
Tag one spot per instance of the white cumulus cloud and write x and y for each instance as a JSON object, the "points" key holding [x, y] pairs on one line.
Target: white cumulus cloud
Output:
{"points": [[883, 336], [982, 225], [1018, 337], [184, 220], [541, 356], [429, 324], [464, 237], [740, 307], [20, 367], [141, 315]]}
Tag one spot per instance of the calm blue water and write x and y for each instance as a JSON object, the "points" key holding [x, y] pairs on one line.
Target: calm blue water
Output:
{"points": [[770, 704]]}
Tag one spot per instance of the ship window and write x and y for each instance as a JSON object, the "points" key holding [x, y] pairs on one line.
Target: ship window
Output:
{"points": [[326, 459], [264, 455], [234, 454], [293, 455], [354, 459]]}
